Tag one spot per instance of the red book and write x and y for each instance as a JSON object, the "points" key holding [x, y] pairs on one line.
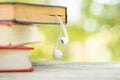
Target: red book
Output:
{"points": [[15, 59], [7, 23]]}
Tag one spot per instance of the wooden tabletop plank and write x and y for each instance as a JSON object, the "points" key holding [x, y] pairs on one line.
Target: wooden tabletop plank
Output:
{"points": [[67, 71]]}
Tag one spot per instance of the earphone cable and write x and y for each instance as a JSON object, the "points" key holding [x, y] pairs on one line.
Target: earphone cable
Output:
{"points": [[60, 35]]}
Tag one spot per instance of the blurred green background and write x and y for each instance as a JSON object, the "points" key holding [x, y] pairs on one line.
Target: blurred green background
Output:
{"points": [[93, 28]]}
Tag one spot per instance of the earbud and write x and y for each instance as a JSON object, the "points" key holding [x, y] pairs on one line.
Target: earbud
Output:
{"points": [[57, 54], [64, 40]]}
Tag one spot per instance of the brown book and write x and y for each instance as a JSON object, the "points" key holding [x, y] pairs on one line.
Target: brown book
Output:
{"points": [[31, 13]]}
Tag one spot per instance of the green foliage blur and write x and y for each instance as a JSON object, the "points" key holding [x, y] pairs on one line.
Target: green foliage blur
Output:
{"points": [[94, 37]]}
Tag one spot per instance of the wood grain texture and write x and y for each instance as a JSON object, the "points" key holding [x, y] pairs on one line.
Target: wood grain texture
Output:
{"points": [[68, 71]]}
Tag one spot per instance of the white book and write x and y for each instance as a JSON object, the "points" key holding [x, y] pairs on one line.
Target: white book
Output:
{"points": [[15, 59], [18, 34]]}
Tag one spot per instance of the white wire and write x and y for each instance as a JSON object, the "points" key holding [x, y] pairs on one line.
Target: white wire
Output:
{"points": [[60, 35]]}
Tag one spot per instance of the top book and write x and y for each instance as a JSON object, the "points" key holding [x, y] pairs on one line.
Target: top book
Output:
{"points": [[31, 13]]}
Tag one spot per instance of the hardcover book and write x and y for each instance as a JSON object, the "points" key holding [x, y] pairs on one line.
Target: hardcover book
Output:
{"points": [[15, 59], [18, 34], [31, 13]]}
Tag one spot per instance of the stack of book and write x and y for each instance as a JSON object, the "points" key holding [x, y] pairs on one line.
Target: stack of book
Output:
{"points": [[17, 29]]}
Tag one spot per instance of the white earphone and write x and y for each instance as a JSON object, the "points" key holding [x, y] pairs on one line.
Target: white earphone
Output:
{"points": [[57, 54]]}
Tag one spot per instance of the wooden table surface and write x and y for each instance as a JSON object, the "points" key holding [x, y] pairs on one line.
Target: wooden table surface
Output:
{"points": [[67, 71]]}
